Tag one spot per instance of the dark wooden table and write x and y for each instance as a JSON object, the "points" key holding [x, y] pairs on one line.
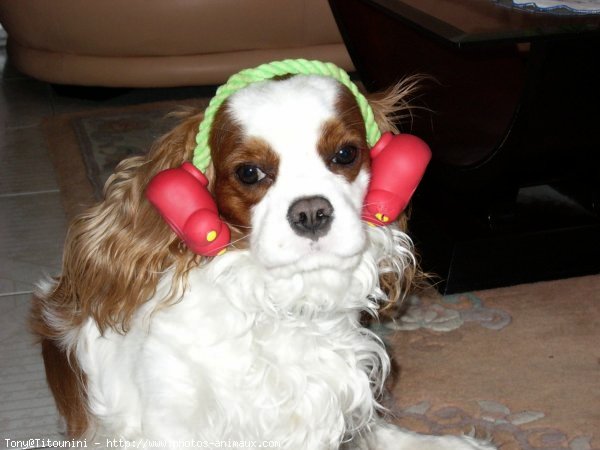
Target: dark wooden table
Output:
{"points": [[513, 192]]}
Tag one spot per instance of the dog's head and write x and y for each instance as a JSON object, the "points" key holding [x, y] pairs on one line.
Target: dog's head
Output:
{"points": [[291, 167]]}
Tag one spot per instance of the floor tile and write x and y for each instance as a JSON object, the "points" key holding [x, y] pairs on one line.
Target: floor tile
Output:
{"points": [[24, 163], [32, 231], [23, 103], [7, 70], [20, 276], [26, 406]]}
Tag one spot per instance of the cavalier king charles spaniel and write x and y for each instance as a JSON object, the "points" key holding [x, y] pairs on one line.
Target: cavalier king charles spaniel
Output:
{"points": [[145, 341]]}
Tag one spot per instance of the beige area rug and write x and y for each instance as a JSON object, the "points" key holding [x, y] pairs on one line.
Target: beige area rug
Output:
{"points": [[519, 364]]}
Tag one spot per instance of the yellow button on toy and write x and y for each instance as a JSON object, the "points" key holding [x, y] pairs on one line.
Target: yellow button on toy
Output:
{"points": [[221, 252], [382, 218], [211, 236]]}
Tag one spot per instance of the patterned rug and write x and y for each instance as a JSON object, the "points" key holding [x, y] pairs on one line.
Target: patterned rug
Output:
{"points": [[86, 147], [518, 364]]}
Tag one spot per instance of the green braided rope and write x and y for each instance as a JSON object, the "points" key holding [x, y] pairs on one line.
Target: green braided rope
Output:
{"points": [[267, 71]]}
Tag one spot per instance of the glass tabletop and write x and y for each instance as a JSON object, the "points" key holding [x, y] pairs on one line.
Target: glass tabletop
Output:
{"points": [[464, 22]]}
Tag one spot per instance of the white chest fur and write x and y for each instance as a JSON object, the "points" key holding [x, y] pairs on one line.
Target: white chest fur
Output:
{"points": [[242, 357]]}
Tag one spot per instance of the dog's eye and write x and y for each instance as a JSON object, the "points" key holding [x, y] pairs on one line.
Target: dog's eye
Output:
{"points": [[250, 174], [345, 155]]}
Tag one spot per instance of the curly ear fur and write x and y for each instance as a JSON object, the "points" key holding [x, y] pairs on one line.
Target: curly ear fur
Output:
{"points": [[117, 250], [390, 108]]}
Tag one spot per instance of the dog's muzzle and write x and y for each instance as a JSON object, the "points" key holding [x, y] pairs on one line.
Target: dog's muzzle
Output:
{"points": [[310, 217]]}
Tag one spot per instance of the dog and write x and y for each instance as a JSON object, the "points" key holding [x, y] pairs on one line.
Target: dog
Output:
{"points": [[148, 342]]}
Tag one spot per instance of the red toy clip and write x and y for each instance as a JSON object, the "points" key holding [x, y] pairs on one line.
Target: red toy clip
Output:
{"points": [[398, 163], [181, 197]]}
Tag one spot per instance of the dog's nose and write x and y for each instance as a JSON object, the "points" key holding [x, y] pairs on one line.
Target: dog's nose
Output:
{"points": [[310, 217]]}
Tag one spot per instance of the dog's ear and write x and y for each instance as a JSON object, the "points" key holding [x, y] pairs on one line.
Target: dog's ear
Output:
{"points": [[394, 106], [391, 109], [117, 250]]}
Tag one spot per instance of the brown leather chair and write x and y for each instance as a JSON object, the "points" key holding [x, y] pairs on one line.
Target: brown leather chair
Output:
{"points": [[159, 43]]}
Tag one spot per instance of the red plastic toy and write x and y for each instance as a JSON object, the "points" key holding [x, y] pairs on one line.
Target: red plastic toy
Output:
{"points": [[398, 163], [181, 197]]}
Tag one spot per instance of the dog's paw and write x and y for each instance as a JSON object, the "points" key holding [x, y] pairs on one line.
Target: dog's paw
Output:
{"points": [[462, 443], [447, 443], [390, 437]]}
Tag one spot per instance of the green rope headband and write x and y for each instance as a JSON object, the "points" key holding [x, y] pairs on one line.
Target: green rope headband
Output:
{"points": [[267, 71]]}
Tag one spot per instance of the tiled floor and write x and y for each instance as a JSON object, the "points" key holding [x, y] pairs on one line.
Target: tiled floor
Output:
{"points": [[32, 231]]}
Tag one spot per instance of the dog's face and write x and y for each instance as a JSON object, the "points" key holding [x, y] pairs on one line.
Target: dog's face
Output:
{"points": [[291, 168]]}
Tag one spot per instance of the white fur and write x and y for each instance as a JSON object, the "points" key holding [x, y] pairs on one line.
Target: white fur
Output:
{"points": [[265, 343]]}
